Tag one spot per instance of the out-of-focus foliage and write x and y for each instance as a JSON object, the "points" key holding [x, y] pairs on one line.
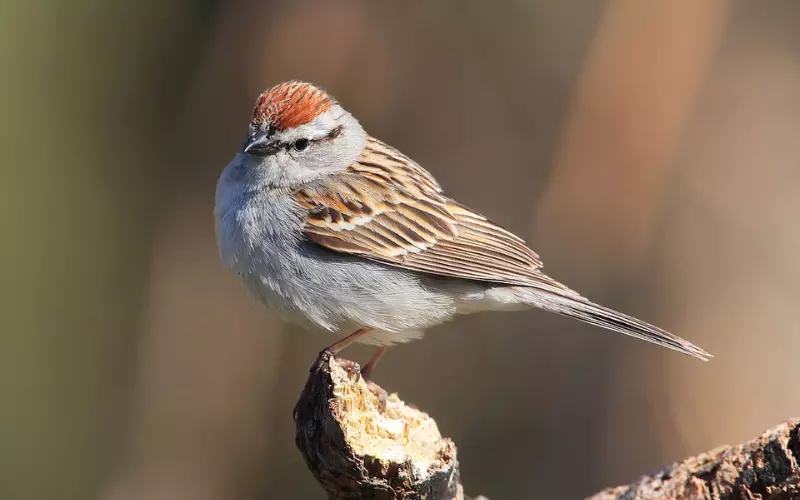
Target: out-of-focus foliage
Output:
{"points": [[647, 150]]}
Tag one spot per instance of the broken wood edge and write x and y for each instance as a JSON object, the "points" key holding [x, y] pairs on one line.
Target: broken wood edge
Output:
{"points": [[361, 442], [766, 467]]}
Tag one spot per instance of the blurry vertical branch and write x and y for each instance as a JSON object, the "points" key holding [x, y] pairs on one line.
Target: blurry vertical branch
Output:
{"points": [[631, 103], [601, 208]]}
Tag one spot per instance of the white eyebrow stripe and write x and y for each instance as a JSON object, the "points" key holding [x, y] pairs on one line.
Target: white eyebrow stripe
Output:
{"points": [[316, 129]]}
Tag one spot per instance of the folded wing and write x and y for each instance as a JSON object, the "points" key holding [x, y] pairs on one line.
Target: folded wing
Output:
{"points": [[387, 208]]}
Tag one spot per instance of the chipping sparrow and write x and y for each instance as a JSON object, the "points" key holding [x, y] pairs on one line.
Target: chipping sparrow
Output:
{"points": [[340, 232]]}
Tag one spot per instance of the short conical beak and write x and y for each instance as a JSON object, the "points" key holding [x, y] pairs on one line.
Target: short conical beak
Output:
{"points": [[259, 144]]}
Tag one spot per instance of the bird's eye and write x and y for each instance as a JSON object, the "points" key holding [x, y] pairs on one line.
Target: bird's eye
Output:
{"points": [[300, 144]]}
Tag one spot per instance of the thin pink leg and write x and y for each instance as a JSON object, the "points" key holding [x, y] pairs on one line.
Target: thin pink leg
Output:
{"points": [[366, 372], [336, 347]]}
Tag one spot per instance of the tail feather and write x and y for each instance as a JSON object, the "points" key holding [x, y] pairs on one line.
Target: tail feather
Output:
{"points": [[575, 306]]}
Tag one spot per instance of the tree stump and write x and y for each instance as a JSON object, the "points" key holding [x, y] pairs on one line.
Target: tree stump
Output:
{"points": [[360, 442]]}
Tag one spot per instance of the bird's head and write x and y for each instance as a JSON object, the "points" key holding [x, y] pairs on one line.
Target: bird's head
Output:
{"points": [[298, 133]]}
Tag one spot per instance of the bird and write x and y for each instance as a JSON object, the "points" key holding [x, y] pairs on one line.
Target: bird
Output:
{"points": [[338, 231]]}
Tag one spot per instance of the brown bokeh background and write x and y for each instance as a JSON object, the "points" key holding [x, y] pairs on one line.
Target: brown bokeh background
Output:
{"points": [[648, 151]]}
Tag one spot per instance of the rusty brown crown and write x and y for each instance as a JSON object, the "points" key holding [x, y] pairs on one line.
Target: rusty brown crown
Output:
{"points": [[290, 104]]}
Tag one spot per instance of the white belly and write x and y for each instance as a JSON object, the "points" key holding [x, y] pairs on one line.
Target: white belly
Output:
{"points": [[320, 289]]}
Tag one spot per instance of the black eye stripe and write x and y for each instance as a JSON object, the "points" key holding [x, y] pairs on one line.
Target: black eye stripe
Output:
{"points": [[289, 145], [335, 133]]}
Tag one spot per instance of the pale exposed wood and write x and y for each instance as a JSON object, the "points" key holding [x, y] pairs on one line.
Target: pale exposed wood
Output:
{"points": [[360, 442]]}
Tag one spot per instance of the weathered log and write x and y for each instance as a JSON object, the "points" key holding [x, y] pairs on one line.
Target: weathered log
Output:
{"points": [[764, 468]]}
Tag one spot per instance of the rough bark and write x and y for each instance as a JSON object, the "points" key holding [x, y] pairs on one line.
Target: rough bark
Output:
{"points": [[764, 468]]}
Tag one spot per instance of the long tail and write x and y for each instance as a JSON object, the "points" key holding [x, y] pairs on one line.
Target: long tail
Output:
{"points": [[569, 303]]}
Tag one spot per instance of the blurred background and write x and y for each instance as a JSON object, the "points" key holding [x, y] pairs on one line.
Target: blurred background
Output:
{"points": [[647, 150]]}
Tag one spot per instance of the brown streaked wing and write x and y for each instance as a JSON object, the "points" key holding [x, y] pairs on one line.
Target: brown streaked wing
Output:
{"points": [[387, 208], [482, 251], [374, 217]]}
